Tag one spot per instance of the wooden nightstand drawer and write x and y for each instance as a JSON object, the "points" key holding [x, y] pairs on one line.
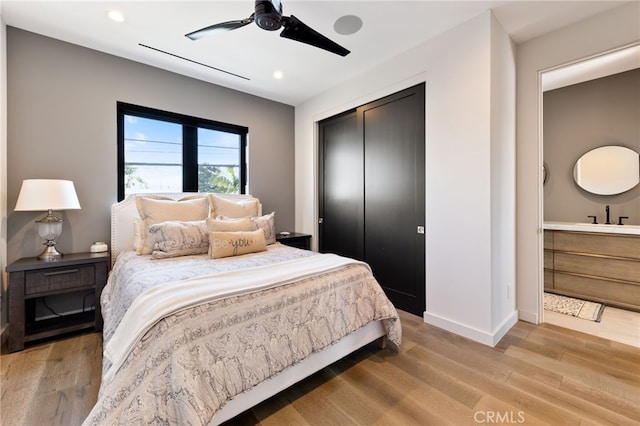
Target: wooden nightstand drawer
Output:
{"points": [[54, 279]]}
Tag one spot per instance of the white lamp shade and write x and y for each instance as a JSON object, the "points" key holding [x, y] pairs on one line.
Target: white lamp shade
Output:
{"points": [[47, 194]]}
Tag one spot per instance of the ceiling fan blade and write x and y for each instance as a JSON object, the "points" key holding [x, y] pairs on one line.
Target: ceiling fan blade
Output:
{"points": [[217, 28], [295, 29]]}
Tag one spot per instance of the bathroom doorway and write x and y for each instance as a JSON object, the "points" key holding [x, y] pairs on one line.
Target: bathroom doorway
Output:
{"points": [[565, 92]]}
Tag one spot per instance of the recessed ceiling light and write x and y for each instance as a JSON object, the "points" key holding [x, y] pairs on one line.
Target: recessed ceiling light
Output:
{"points": [[278, 75], [347, 25], [116, 15]]}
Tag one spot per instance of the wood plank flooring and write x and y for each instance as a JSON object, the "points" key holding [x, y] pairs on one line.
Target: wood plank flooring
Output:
{"points": [[536, 375], [617, 324]]}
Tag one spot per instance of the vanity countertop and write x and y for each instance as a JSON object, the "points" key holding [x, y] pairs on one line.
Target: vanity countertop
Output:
{"points": [[590, 227]]}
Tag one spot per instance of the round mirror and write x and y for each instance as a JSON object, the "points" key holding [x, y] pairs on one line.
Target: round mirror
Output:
{"points": [[608, 170]]}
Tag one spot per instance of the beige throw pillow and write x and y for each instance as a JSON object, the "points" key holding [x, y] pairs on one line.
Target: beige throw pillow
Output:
{"points": [[228, 208], [153, 210], [230, 225], [225, 244]]}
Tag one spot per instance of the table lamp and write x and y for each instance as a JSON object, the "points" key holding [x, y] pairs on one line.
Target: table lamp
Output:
{"points": [[48, 195]]}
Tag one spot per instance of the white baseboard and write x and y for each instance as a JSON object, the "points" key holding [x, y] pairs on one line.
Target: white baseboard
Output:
{"points": [[531, 317], [486, 338]]}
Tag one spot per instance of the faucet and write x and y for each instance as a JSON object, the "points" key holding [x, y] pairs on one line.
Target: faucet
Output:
{"points": [[606, 209]]}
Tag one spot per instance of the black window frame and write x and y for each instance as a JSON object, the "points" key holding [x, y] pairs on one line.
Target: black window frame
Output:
{"points": [[190, 127]]}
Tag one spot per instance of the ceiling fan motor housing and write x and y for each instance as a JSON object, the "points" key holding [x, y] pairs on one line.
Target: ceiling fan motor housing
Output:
{"points": [[267, 16]]}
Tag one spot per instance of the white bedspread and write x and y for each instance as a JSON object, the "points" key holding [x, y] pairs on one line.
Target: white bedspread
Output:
{"points": [[182, 368], [167, 298], [132, 275]]}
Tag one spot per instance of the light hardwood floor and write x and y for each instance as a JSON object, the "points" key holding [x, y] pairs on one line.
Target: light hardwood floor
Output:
{"points": [[617, 324], [536, 375]]}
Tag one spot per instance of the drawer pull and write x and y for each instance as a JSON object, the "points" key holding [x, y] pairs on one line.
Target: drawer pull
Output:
{"points": [[68, 271]]}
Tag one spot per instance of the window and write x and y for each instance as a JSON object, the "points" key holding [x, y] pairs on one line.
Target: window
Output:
{"points": [[161, 151]]}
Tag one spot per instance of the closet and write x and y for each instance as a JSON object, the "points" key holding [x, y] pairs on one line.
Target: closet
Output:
{"points": [[372, 192]]}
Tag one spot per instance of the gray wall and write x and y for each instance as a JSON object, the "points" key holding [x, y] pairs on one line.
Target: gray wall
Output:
{"points": [[579, 118], [62, 124]]}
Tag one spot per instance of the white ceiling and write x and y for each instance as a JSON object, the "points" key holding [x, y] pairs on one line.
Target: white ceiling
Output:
{"points": [[389, 28]]}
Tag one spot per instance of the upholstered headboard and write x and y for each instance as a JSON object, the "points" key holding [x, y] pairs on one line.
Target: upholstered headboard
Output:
{"points": [[124, 212]]}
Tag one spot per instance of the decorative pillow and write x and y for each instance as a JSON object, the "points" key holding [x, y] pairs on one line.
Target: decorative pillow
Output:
{"points": [[230, 225], [137, 237], [239, 208], [154, 210], [267, 224], [174, 238], [225, 244]]}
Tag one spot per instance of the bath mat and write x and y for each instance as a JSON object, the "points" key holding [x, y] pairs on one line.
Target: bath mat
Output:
{"points": [[591, 311]]}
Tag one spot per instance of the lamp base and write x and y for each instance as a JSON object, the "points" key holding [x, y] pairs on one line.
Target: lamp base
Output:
{"points": [[50, 253]]}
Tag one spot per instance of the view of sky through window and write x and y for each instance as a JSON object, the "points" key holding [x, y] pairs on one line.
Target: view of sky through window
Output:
{"points": [[153, 156]]}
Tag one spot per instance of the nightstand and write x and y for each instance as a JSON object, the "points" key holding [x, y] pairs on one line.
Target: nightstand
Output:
{"points": [[295, 239], [31, 278]]}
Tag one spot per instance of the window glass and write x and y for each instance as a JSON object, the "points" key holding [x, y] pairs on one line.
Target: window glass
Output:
{"points": [[153, 155], [218, 161]]}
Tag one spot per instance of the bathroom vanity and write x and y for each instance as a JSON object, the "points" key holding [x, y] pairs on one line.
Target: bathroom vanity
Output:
{"points": [[594, 262]]}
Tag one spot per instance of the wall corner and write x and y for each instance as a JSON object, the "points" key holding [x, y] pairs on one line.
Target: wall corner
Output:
{"points": [[3, 178]]}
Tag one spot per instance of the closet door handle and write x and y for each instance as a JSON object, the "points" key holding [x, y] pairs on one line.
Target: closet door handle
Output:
{"points": [[420, 229]]}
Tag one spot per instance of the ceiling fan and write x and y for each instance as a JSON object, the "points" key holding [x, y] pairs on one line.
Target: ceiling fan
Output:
{"points": [[268, 16]]}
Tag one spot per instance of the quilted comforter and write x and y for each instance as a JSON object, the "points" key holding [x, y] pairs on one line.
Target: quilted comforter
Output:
{"points": [[183, 367]]}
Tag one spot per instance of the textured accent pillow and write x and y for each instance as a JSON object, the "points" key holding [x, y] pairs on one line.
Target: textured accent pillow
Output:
{"points": [[154, 210], [239, 208], [230, 224], [225, 244], [137, 232], [268, 224], [175, 238]]}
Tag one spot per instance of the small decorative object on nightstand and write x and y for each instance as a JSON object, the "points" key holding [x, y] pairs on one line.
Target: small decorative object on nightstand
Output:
{"points": [[32, 278], [295, 239]]}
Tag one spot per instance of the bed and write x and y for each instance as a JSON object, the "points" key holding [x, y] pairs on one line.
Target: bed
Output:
{"points": [[198, 338]]}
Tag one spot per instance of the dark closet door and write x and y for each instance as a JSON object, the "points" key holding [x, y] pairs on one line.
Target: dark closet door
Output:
{"points": [[341, 189], [372, 192], [394, 202]]}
